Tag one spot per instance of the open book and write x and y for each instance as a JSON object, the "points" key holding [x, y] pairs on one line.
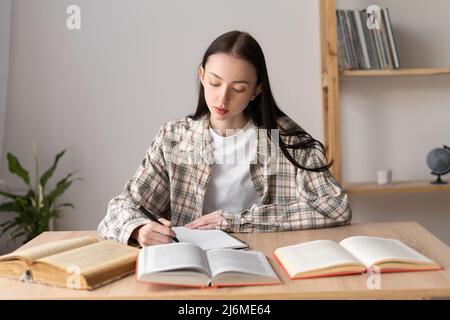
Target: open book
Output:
{"points": [[322, 258], [78, 263], [186, 264]]}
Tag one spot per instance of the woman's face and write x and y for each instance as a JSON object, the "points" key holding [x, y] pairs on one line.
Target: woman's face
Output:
{"points": [[229, 84]]}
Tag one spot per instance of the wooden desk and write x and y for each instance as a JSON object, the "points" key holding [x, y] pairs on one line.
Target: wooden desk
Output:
{"points": [[410, 285]]}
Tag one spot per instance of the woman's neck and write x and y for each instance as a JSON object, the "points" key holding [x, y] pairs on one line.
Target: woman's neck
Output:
{"points": [[228, 127]]}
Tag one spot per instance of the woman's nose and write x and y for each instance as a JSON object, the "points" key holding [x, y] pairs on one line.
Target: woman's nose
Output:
{"points": [[224, 96]]}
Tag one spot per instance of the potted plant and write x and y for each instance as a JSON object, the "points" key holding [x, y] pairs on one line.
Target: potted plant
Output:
{"points": [[36, 208]]}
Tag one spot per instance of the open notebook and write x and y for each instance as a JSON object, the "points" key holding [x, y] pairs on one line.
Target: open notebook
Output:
{"points": [[322, 258], [187, 264], [209, 239]]}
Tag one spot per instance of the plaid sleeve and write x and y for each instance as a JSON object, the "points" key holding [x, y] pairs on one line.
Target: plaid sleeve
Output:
{"points": [[320, 203], [149, 187]]}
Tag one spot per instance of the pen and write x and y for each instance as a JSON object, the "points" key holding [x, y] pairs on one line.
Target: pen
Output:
{"points": [[153, 218]]}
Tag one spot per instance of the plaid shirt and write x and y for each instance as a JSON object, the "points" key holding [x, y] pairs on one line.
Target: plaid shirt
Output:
{"points": [[172, 178]]}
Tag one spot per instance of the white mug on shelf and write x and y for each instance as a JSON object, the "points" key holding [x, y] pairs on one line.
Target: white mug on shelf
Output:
{"points": [[384, 177]]}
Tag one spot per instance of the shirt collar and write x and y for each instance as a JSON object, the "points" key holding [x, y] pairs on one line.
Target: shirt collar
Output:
{"points": [[198, 140]]}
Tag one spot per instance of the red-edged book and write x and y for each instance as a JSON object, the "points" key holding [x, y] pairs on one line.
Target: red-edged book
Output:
{"points": [[187, 264], [353, 255]]}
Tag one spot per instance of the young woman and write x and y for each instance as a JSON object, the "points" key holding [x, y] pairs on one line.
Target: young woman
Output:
{"points": [[277, 180]]}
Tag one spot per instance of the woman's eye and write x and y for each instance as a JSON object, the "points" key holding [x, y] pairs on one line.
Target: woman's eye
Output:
{"points": [[218, 85]]}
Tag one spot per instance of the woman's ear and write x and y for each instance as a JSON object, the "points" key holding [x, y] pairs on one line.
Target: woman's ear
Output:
{"points": [[201, 73], [257, 91]]}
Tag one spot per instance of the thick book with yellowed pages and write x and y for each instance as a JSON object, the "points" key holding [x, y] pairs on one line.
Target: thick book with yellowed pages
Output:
{"points": [[187, 264], [353, 255], [78, 263]]}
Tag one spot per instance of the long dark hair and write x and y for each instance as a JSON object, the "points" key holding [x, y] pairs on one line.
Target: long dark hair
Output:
{"points": [[262, 110]]}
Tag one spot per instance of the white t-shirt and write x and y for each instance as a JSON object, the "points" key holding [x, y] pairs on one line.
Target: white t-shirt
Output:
{"points": [[230, 187]]}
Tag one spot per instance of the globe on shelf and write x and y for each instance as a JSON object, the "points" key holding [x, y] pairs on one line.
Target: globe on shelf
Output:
{"points": [[438, 160]]}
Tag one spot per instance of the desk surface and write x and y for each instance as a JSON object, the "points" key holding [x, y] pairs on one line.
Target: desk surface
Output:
{"points": [[409, 285]]}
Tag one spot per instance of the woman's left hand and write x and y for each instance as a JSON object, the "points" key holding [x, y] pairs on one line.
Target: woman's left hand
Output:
{"points": [[208, 221]]}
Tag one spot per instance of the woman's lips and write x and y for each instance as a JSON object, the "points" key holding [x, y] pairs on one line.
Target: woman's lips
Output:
{"points": [[220, 111]]}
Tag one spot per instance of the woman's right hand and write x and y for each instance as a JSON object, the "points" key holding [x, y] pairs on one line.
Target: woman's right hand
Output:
{"points": [[154, 233]]}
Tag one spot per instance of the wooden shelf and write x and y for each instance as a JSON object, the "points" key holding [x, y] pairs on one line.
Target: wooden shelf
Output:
{"points": [[396, 186], [396, 72], [331, 79]]}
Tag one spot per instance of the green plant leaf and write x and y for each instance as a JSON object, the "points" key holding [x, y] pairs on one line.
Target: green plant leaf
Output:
{"points": [[35, 208], [59, 190], [17, 233], [16, 168], [54, 214], [25, 221], [9, 195], [6, 223], [61, 186], [6, 227], [8, 207], [65, 205], [30, 194], [51, 170], [24, 203]]}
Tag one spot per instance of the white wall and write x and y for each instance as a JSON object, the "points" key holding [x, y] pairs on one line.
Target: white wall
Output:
{"points": [[5, 12], [103, 91]]}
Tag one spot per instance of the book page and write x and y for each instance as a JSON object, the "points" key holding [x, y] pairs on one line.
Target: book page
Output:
{"points": [[208, 239], [371, 250], [92, 257], [314, 255], [229, 260], [48, 249], [172, 256]]}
